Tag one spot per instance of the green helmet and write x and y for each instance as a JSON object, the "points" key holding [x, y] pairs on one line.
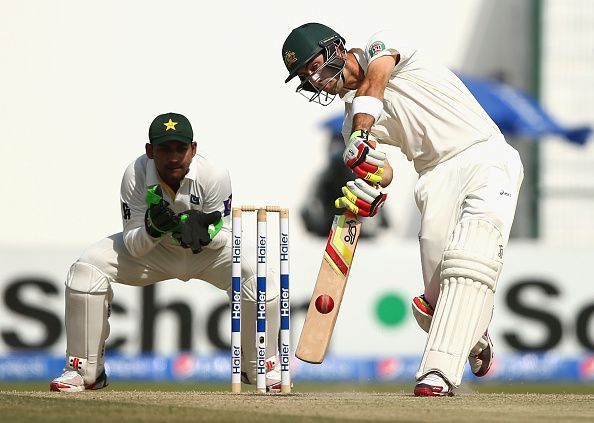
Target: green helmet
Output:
{"points": [[306, 42]]}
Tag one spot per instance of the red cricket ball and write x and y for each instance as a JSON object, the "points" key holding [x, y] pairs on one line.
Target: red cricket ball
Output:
{"points": [[324, 304]]}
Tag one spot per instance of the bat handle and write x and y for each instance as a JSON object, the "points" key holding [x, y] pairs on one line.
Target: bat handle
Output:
{"points": [[350, 215]]}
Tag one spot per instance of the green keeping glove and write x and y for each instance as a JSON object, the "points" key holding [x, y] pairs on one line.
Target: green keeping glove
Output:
{"points": [[197, 229], [159, 218]]}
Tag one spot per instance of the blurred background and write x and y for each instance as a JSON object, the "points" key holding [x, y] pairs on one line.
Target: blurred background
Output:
{"points": [[81, 82]]}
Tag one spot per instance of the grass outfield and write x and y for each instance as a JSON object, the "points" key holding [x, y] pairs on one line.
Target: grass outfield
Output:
{"points": [[156, 402]]}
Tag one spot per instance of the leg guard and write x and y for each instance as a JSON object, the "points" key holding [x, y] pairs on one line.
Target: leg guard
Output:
{"points": [[248, 324], [88, 299], [469, 272], [423, 314]]}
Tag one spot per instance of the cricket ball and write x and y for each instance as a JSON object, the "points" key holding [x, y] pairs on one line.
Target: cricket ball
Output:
{"points": [[324, 304]]}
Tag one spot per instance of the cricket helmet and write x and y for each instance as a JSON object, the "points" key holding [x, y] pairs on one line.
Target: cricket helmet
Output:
{"points": [[306, 42]]}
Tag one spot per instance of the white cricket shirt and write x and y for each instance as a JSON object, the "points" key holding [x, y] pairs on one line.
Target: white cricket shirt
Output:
{"points": [[205, 187], [428, 112]]}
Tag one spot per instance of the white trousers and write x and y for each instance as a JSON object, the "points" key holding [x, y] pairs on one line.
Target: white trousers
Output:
{"points": [[482, 182], [165, 261], [110, 261]]}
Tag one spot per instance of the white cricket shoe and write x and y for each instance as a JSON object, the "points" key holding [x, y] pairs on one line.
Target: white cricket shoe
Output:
{"points": [[273, 376], [71, 381], [433, 385]]}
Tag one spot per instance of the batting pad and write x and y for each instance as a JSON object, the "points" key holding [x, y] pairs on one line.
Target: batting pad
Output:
{"points": [[469, 272], [424, 322], [88, 299]]}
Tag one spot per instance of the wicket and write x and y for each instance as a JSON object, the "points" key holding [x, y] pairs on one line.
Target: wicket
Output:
{"points": [[261, 248]]}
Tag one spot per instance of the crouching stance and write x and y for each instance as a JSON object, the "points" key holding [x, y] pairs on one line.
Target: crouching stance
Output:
{"points": [[176, 225]]}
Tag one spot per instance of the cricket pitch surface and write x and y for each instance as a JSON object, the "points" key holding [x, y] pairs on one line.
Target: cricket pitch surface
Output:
{"points": [[156, 402]]}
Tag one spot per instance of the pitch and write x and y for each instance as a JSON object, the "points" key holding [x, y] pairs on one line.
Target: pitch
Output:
{"points": [[155, 402]]}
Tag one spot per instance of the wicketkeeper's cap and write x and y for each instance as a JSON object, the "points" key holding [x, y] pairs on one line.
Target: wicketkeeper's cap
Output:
{"points": [[170, 127]]}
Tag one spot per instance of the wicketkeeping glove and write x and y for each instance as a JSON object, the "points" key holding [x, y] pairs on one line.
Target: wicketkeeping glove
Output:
{"points": [[361, 198], [159, 218], [363, 158], [197, 229]]}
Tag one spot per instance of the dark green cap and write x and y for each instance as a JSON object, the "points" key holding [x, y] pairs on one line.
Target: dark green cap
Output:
{"points": [[304, 43], [170, 127]]}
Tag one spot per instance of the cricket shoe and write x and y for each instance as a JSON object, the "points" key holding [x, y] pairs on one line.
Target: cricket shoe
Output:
{"points": [[72, 381], [481, 355], [273, 376], [433, 385]]}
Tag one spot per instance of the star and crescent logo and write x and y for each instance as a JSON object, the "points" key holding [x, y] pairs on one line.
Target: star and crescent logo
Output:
{"points": [[170, 125]]}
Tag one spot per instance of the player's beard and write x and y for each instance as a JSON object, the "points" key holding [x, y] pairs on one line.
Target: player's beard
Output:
{"points": [[339, 84], [173, 176], [333, 85]]}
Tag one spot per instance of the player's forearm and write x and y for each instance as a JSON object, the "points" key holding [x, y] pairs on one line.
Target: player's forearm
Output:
{"points": [[370, 94], [363, 121], [367, 104]]}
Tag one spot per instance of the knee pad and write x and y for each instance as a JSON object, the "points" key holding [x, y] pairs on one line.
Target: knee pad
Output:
{"points": [[88, 300], [475, 252], [84, 277], [470, 269]]}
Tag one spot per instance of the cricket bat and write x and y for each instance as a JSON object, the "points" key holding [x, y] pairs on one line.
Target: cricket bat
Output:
{"points": [[329, 289]]}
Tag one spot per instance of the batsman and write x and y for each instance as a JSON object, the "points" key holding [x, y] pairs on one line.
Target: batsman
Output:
{"points": [[176, 209], [467, 190]]}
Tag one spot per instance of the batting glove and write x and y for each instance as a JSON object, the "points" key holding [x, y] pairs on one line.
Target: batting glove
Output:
{"points": [[361, 199], [363, 158]]}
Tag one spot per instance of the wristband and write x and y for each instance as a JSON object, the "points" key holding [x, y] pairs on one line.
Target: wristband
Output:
{"points": [[368, 105]]}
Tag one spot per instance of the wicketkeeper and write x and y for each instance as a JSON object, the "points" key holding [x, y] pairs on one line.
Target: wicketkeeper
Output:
{"points": [[469, 179], [176, 225]]}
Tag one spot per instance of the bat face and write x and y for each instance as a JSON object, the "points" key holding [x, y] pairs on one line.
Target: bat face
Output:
{"points": [[329, 289], [341, 244]]}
